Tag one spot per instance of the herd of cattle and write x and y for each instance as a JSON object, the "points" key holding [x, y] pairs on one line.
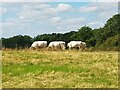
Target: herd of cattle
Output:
{"points": [[58, 45]]}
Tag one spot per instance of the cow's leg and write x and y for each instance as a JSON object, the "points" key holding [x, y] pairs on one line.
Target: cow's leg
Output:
{"points": [[79, 47], [52, 47], [69, 48]]}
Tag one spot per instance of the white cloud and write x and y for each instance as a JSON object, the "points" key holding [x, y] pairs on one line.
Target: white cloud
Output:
{"points": [[119, 7], [43, 12], [100, 12], [104, 0], [43, 18], [106, 11], [60, 8], [93, 23], [3, 10], [99, 7], [56, 19], [10, 22], [30, 10], [59, 0], [74, 21], [36, 6], [63, 7], [21, 17], [96, 24], [1, 29], [59, 28], [14, 27], [87, 9], [34, 12]]}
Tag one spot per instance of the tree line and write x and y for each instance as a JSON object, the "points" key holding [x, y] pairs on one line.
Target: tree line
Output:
{"points": [[105, 38]]}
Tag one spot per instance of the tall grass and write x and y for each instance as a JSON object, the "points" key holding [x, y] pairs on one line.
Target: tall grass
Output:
{"points": [[52, 69]]}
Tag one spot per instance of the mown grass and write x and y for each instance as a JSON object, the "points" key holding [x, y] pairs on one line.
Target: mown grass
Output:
{"points": [[54, 69]]}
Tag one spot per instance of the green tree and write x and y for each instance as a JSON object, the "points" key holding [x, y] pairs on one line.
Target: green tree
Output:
{"points": [[84, 33], [27, 41], [112, 27]]}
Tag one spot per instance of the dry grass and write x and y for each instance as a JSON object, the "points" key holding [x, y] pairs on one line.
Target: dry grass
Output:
{"points": [[53, 69]]}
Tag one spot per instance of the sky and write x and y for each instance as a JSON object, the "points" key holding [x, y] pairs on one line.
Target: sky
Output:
{"points": [[36, 18]]}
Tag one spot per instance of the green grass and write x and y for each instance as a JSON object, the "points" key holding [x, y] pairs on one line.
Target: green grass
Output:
{"points": [[18, 69], [64, 69]]}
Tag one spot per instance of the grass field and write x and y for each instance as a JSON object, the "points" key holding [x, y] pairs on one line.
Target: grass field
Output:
{"points": [[59, 69]]}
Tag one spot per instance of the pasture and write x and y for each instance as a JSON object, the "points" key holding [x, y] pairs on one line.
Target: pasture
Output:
{"points": [[59, 69]]}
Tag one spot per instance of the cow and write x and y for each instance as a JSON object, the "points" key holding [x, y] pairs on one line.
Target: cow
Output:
{"points": [[56, 45], [83, 46], [39, 44], [76, 44]]}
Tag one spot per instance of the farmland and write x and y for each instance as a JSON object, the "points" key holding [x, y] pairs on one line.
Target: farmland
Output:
{"points": [[59, 69]]}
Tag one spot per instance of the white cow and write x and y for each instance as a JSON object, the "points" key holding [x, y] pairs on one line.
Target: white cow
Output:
{"points": [[57, 45], [39, 44], [74, 44], [83, 46], [77, 44]]}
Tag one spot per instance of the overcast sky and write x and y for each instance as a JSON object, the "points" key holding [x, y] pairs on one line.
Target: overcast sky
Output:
{"points": [[35, 18]]}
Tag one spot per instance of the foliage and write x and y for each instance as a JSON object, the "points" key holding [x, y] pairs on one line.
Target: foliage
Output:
{"points": [[17, 42], [84, 33]]}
